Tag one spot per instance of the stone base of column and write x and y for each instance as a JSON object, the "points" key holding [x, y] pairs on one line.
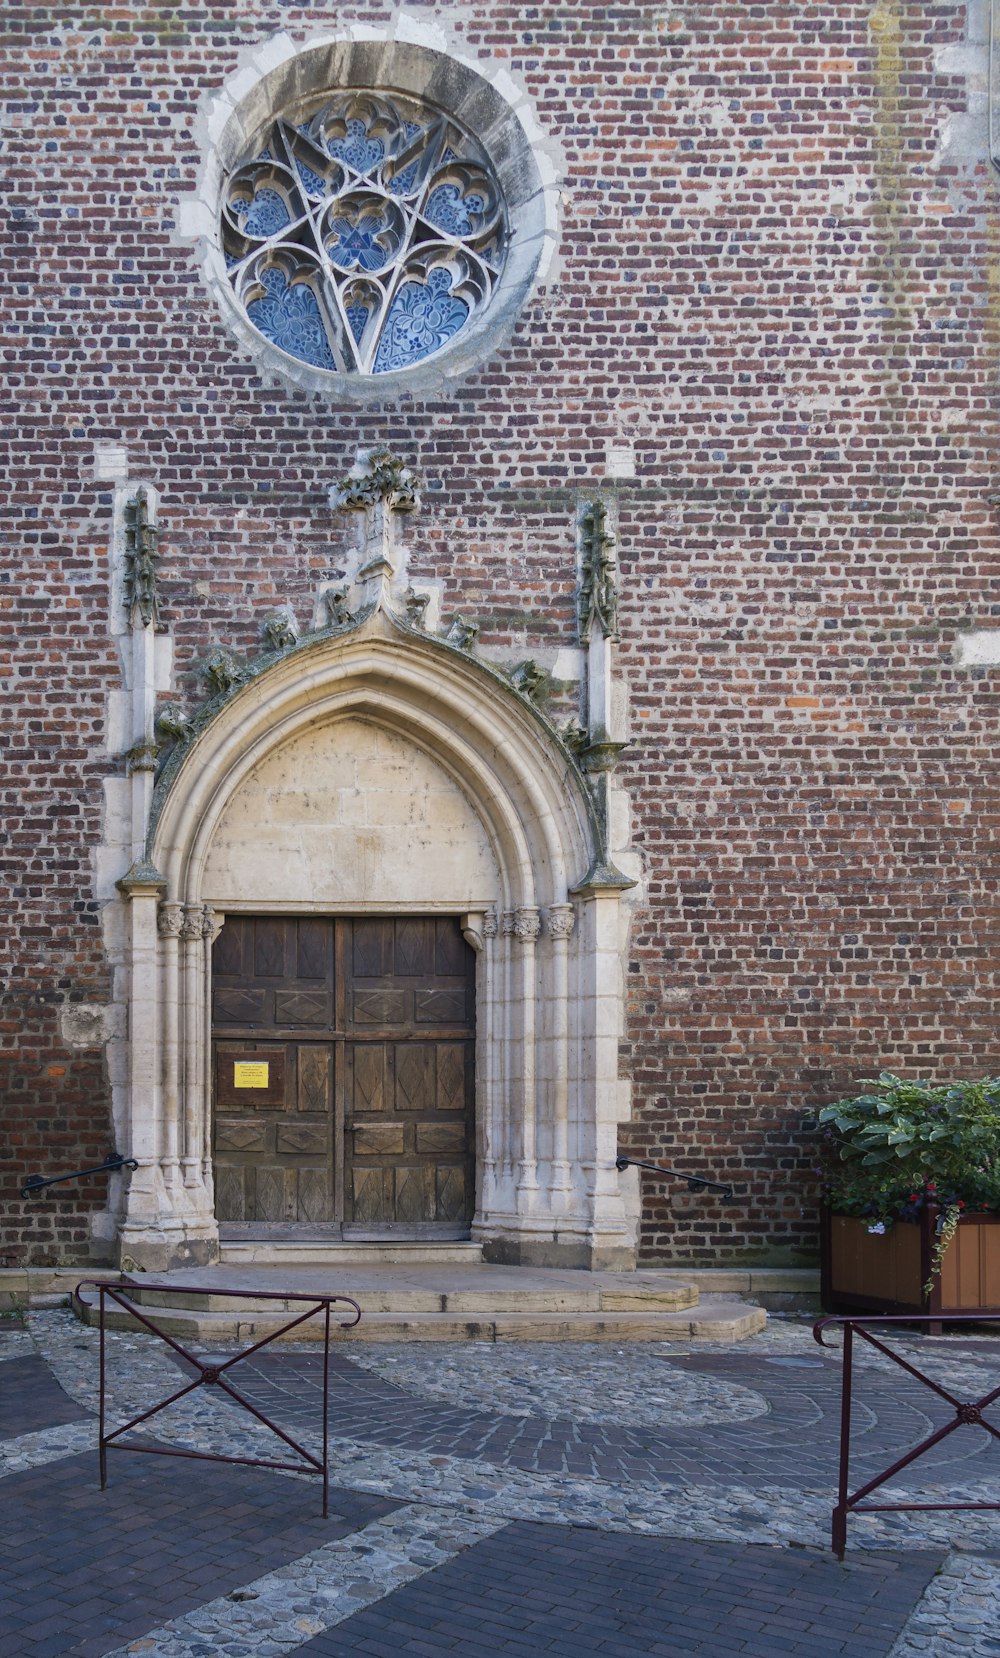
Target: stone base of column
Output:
{"points": [[532, 1249], [163, 1251]]}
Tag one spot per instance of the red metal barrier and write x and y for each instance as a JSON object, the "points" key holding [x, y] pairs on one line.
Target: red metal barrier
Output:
{"points": [[213, 1375], [966, 1415]]}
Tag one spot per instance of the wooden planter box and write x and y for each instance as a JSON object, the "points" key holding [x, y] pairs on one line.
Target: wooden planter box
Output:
{"points": [[869, 1272]]}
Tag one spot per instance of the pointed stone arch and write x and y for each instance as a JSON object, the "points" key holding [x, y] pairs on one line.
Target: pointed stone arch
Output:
{"points": [[518, 855]]}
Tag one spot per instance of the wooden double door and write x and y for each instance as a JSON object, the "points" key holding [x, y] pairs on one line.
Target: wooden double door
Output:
{"points": [[344, 1053]]}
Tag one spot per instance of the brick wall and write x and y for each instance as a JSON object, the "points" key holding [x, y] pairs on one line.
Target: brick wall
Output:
{"points": [[777, 281]]}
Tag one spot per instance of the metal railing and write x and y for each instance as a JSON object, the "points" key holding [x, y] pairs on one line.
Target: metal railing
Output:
{"points": [[214, 1375], [695, 1182], [36, 1182], [967, 1414]]}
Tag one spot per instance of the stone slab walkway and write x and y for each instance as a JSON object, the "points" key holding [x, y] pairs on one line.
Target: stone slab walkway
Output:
{"points": [[509, 1501]]}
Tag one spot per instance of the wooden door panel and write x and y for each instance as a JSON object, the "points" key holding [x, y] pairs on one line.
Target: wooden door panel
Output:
{"points": [[276, 1193], [315, 1079], [453, 1195], [303, 1007], [369, 1085], [303, 1139], [415, 1072], [315, 1197], [451, 953], [454, 1079], [231, 1192], [379, 1007], [239, 1007], [413, 952], [314, 946], [379, 1139], [243, 1134], [414, 1193], [227, 952], [373, 1194], [371, 949], [447, 1138], [439, 1007], [270, 953]]}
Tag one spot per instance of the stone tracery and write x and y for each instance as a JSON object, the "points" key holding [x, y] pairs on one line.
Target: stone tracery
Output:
{"points": [[364, 232]]}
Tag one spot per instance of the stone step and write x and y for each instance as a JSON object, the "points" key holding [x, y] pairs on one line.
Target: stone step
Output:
{"points": [[319, 1253], [721, 1321]]}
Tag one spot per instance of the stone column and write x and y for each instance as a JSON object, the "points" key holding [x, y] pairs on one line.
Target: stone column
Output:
{"points": [[169, 920], [487, 1011], [141, 888], [527, 925], [212, 922], [561, 920], [506, 1038], [194, 1057]]}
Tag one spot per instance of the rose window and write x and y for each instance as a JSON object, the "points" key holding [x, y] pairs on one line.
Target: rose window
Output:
{"points": [[366, 233]]}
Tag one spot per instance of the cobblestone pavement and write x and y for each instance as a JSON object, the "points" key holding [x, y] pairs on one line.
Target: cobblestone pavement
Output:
{"points": [[512, 1500]]}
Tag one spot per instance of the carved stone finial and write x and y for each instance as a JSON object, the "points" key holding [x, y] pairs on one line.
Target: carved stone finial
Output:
{"points": [[530, 681], [385, 478], [575, 736], [598, 590], [462, 633], [141, 559], [277, 631], [337, 613], [171, 721], [223, 673], [416, 608], [141, 757]]}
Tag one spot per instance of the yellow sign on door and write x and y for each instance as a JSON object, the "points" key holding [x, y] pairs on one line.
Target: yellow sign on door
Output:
{"points": [[250, 1076]]}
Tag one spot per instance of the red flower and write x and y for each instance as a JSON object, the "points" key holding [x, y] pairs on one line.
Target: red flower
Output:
{"points": [[912, 1198], [931, 1186], [960, 1204]]}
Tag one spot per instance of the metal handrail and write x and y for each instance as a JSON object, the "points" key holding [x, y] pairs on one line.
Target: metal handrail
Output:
{"points": [[695, 1182], [968, 1413], [35, 1183]]}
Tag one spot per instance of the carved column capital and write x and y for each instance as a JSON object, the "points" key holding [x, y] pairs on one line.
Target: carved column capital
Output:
{"points": [[527, 923], [169, 920], [507, 923], [210, 922], [192, 922], [491, 924], [561, 919]]}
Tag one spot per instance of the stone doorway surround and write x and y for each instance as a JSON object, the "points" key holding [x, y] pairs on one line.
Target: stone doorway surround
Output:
{"points": [[371, 768]]}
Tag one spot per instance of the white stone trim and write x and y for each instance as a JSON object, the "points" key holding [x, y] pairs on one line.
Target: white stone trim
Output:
{"points": [[548, 969]]}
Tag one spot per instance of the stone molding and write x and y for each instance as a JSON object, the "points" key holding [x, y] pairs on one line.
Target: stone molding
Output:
{"points": [[549, 1021]]}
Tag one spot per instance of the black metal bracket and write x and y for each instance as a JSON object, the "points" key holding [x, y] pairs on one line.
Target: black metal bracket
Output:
{"points": [[695, 1182], [35, 1183]]}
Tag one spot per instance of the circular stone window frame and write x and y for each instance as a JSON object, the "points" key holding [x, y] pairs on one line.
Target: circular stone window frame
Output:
{"points": [[416, 61]]}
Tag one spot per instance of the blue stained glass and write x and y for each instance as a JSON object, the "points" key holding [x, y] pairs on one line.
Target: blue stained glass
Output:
{"points": [[357, 149], [449, 210], [315, 185], [289, 317], [357, 316], [357, 245], [422, 318], [405, 181], [265, 215]]}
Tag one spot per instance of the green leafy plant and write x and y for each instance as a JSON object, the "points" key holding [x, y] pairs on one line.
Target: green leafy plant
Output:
{"points": [[902, 1145]]}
